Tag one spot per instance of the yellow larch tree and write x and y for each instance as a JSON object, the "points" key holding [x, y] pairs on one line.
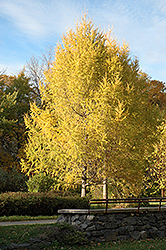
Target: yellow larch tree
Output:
{"points": [[93, 113]]}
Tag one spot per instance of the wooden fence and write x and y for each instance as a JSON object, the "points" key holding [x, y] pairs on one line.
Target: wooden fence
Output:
{"points": [[139, 201]]}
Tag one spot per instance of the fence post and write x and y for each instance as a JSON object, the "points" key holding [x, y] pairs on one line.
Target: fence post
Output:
{"points": [[139, 205], [160, 203], [106, 205]]}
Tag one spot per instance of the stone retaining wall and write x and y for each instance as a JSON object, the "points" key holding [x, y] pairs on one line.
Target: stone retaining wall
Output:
{"points": [[118, 226]]}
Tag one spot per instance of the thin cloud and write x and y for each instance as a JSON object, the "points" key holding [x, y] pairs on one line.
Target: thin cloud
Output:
{"points": [[23, 17], [38, 18]]}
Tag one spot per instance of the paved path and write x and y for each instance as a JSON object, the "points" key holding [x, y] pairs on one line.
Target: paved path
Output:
{"points": [[32, 222]]}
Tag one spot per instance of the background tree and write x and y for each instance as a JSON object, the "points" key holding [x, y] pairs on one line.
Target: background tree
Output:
{"points": [[12, 139], [7, 102], [36, 67], [155, 178], [154, 181], [16, 93], [157, 93], [97, 113]]}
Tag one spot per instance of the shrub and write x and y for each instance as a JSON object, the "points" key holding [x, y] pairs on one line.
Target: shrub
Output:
{"points": [[66, 234], [41, 183], [34, 204], [12, 181]]}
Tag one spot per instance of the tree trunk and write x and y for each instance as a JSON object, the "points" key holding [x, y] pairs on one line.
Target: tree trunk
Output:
{"points": [[162, 192], [83, 189], [105, 189]]}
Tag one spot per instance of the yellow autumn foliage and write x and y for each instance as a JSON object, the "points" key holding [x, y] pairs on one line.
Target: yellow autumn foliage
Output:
{"points": [[94, 121]]}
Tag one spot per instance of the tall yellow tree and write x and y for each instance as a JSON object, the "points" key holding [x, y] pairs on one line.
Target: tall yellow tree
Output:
{"points": [[43, 150], [96, 106]]}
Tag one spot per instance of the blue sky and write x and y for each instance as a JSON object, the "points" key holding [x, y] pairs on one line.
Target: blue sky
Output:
{"points": [[28, 27]]}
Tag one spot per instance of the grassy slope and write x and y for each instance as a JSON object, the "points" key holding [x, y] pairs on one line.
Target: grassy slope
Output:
{"points": [[21, 234]]}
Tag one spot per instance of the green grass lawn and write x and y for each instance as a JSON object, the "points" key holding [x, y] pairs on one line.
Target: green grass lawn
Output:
{"points": [[22, 234], [23, 218], [135, 245]]}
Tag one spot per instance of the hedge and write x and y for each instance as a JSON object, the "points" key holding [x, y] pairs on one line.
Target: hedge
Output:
{"points": [[34, 204]]}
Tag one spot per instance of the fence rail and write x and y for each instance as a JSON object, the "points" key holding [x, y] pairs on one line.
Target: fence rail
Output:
{"points": [[106, 202]]}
